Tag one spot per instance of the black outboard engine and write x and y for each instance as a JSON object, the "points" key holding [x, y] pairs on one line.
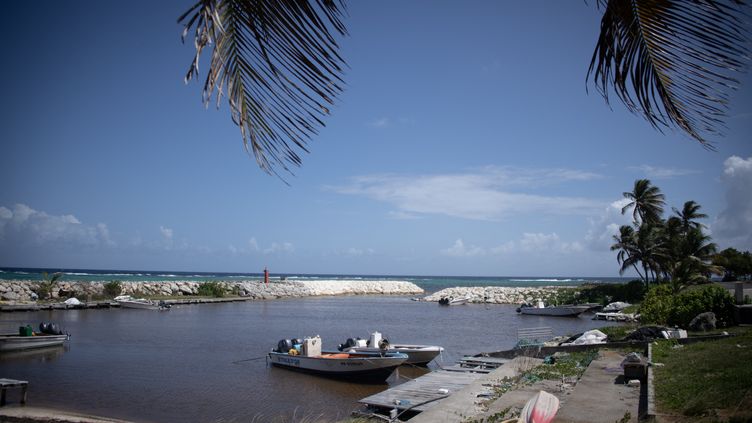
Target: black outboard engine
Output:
{"points": [[348, 344], [284, 345], [43, 327]]}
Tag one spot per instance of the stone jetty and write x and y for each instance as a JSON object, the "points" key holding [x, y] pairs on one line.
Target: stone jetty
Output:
{"points": [[12, 291], [495, 294]]}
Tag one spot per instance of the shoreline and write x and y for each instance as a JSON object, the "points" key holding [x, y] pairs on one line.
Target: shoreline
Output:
{"points": [[21, 294]]}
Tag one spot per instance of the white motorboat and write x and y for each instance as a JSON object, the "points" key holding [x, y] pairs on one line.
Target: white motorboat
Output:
{"points": [[450, 301], [308, 357], [126, 301], [419, 355], [539, 309]]}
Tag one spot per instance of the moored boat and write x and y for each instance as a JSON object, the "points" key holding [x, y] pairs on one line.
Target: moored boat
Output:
{"points": [[567, 310], [308, 357], [450, 301], [418, 355], [126, 301], [48, 336]]}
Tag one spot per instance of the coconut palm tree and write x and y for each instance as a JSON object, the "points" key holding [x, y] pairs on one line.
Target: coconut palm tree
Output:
{"points": [[688, 216], [695, 262], [628, 255], [646, 202], [277, 62]]}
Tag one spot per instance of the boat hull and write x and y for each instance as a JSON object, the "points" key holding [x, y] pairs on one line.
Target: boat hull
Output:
{"points": [[360, 367], [418, 355], [17, 343], [568, 311]]}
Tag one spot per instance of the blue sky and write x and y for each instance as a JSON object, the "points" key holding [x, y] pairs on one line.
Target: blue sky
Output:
{"points": [[465, 143]]}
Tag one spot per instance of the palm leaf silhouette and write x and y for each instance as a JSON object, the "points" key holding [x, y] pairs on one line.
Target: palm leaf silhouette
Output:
{"points": [[673, 61], [277, 63]]}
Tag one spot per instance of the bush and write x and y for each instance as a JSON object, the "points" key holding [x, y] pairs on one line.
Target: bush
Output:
{"points": [[603, 293], [661, 306], [112, 289], [211, 289]]}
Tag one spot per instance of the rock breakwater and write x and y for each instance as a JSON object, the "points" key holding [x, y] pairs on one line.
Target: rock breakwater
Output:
{"points": [[495, 294], [25, 291]]}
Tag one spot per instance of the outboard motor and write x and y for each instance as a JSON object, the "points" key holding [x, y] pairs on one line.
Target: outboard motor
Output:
{"points": [[44, 327], [284, 345]]}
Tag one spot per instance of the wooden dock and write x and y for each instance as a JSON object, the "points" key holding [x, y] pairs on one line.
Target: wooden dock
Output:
{"points": [[421, 393]]}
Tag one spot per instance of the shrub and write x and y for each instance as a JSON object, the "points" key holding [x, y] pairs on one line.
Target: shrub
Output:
{"points": [[48, 285], [661, 306], [112, 289], [211, 289]]}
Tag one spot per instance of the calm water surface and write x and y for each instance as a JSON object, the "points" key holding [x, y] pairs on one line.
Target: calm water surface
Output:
{"points": [[205, 363]]}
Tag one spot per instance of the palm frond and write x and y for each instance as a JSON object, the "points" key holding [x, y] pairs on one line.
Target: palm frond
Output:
{"points": [[673, 61], [278, 65]]}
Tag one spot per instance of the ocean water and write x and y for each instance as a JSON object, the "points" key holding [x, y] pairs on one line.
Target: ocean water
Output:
{"points": [[429, 283], [206, 363]]}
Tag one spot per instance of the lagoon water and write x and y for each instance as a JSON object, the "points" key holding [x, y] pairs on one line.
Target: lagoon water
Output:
{"points": [[205, 363]]}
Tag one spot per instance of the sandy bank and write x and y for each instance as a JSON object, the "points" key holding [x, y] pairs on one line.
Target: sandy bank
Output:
{"points": [[23, 414]]}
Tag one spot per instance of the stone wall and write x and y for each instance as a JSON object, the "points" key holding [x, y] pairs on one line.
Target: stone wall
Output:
{"points": [[494, 294], [24, 291]]}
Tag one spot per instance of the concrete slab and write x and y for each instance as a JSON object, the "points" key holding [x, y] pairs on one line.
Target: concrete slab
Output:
{"points": [[465, 404], [601, 395]]}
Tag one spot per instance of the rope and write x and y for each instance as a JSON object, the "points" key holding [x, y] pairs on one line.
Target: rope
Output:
{"points": [[249, 359]]}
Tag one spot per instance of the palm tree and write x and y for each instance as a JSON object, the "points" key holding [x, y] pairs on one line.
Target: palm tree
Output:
{"points": [[278, 63], [695, 261], [688, 214], [627, 256], [646, 202]]}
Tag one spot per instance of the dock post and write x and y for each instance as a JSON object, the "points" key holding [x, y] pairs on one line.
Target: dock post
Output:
{"points": [[739, 292]]}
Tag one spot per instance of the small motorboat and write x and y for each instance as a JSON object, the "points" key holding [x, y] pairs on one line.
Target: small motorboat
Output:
{"points": [[539, 309], [450, 301], [307, 356], [418, 355], [49, 335], [126, 301]]}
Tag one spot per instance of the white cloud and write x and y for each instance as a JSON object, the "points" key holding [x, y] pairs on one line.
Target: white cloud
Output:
{"points": [[283, 247], [734, 223], [459, 250], [22, 225], [382, 122], [356, 252], [491, 193], [166, 233], [530, 243], [602, 229], [654, 172], [253, 244]]}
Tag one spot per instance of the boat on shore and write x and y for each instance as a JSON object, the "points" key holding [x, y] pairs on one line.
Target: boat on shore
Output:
{"points": [[567, 310], [48, 336], [307, 357], [126, 301], [418, 355]]}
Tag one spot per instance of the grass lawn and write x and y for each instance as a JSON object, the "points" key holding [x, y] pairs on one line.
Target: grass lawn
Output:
{"points": [[707, 381]]}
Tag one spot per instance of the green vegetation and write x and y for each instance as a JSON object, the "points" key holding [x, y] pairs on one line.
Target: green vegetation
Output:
{"points": [[675, 251], [602, 293], [737, 265], [112, 289], [212, 289], [707, 381], [616, 333], [48, 284], [662, 306]]}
